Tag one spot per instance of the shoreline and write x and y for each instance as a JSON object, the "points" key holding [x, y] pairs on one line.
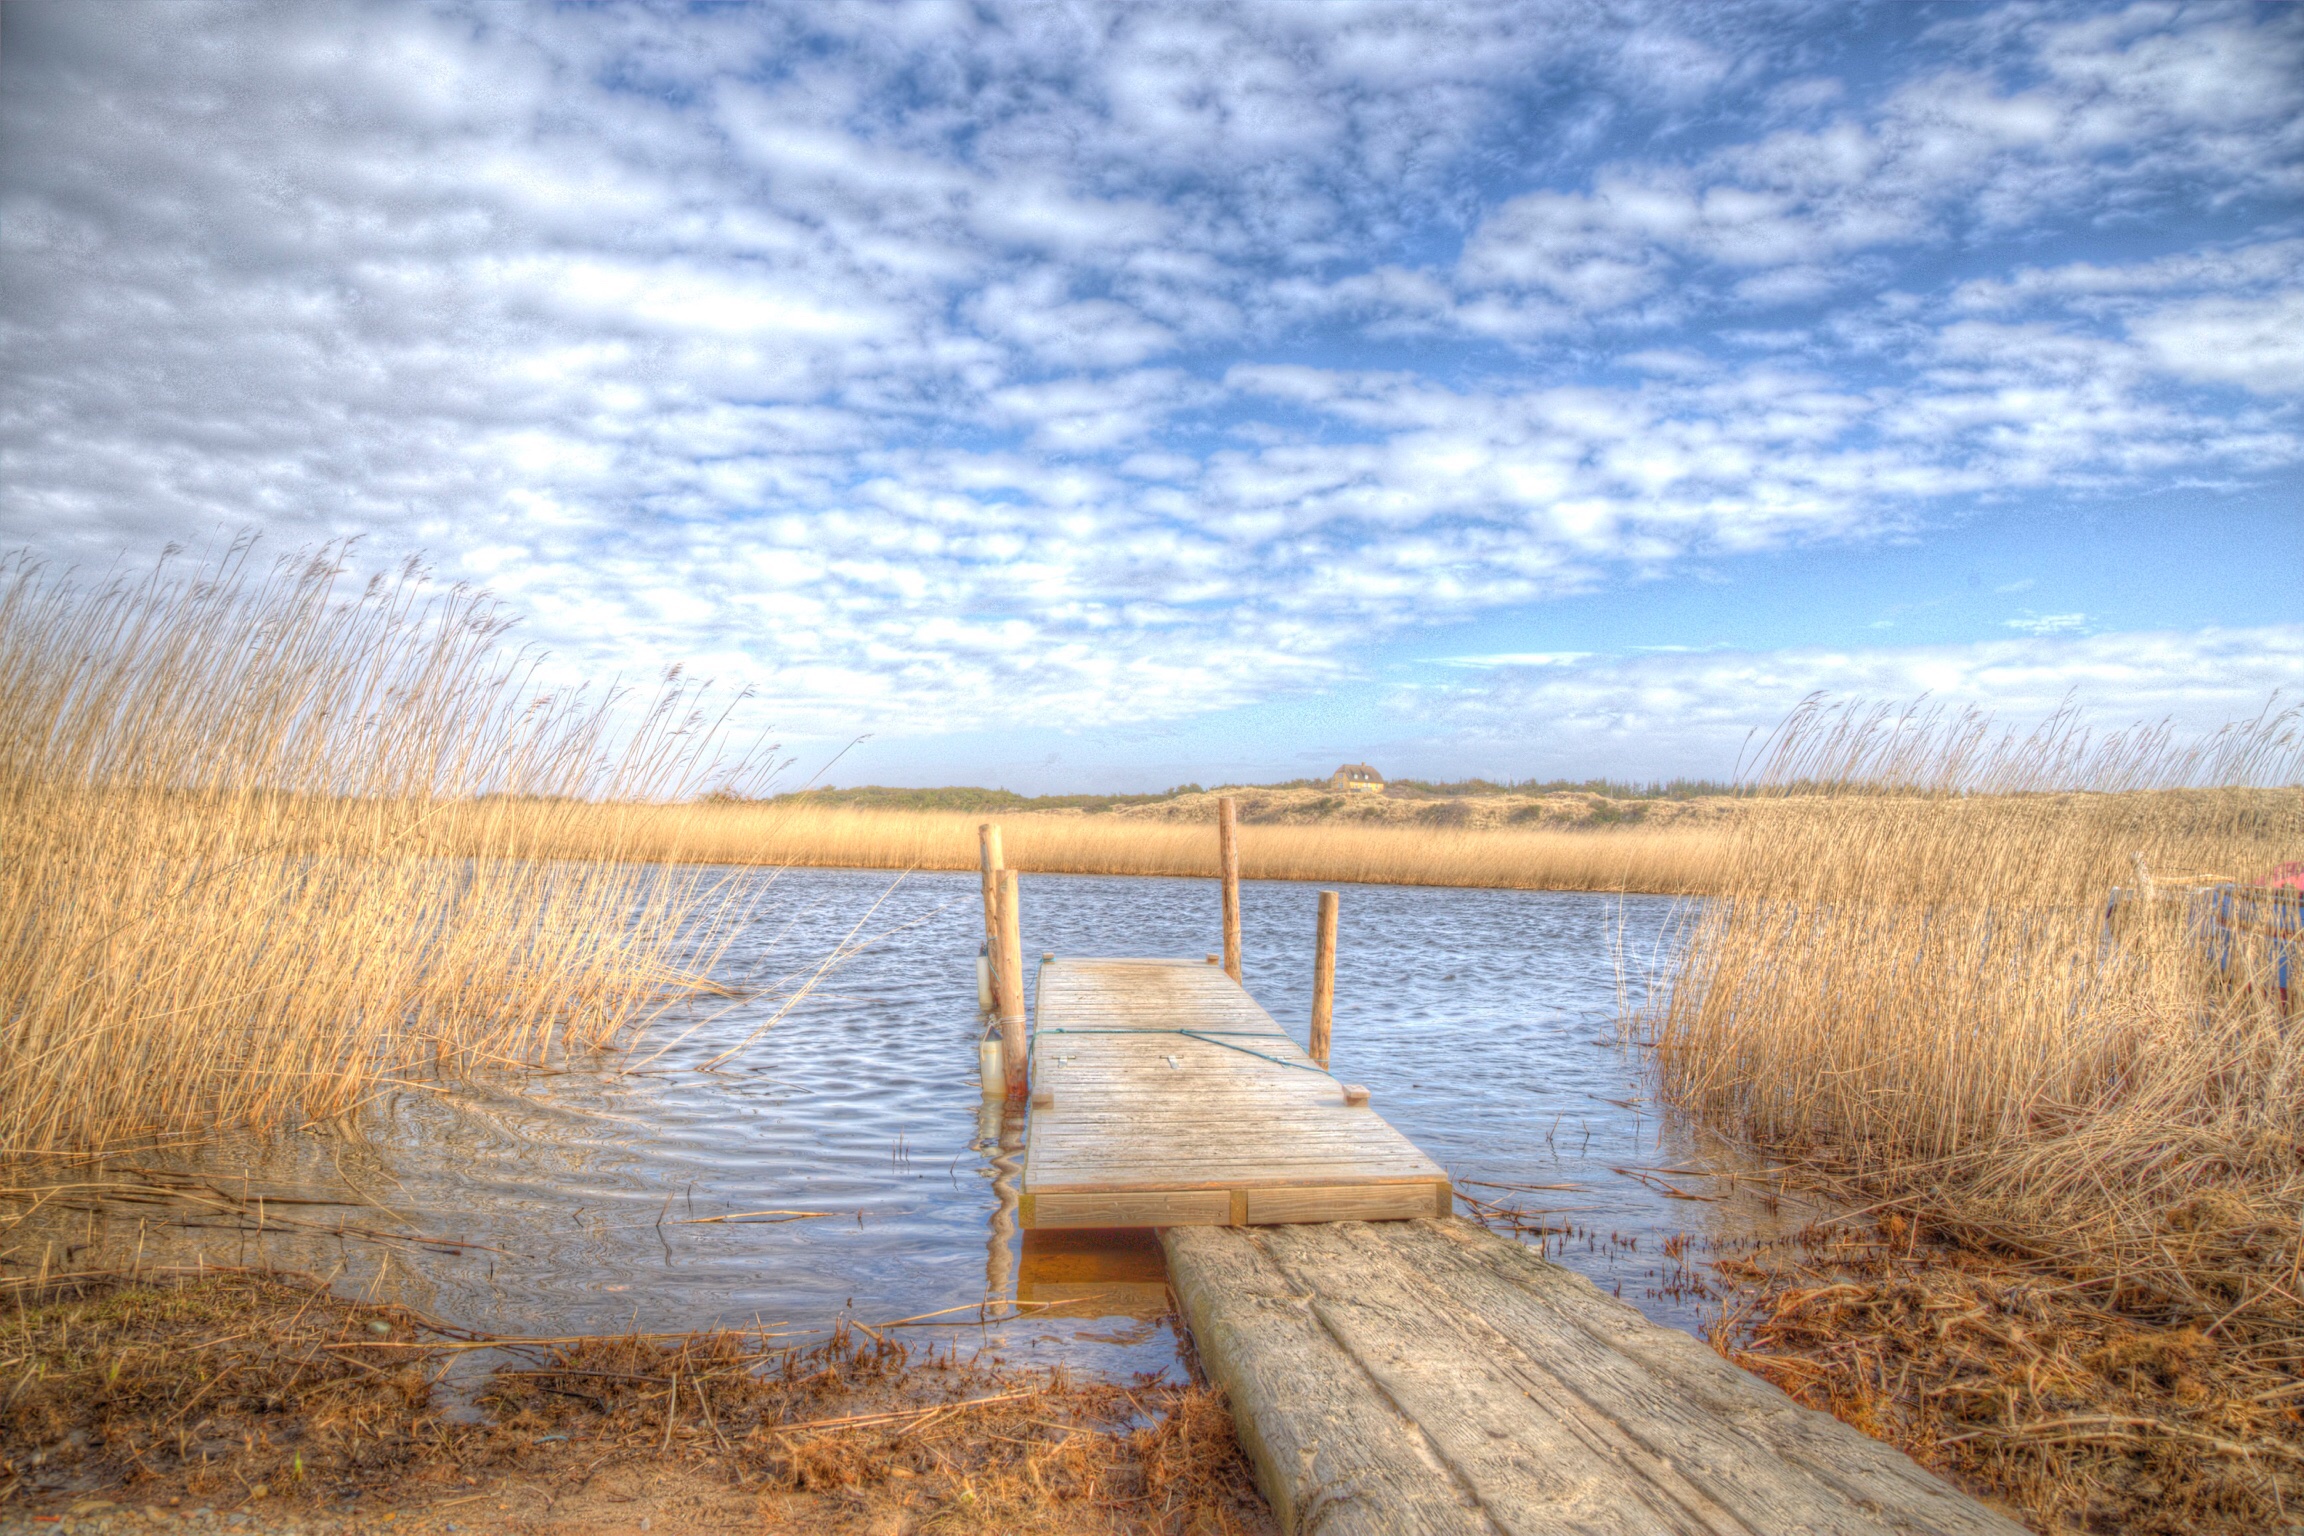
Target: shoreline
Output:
{"points": [[1674, 858], [258, 1400]]}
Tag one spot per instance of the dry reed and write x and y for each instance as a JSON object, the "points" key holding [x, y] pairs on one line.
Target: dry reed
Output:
{"points": [[264, 843], [265, 1391], [1914, 982], [1671, 861]]}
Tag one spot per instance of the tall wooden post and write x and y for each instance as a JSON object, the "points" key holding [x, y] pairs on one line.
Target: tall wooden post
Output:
{"points": [[1228, 856], [1324, 978], [988, 852], [1011, 972]]}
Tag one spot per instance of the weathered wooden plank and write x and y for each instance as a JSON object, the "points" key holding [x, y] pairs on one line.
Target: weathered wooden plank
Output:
{"points": [[1550, 1407], [1531, 1468], [1131, 1208], [1331, 1454], [1530, 1290], [1340, 1202]]}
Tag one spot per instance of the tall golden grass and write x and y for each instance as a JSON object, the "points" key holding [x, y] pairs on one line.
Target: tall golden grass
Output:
{"points": [[775, 833], [1910, 978], [224, 800]]}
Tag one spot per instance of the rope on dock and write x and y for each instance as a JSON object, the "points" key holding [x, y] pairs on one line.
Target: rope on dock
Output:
{"points": [[1210, 1036]]}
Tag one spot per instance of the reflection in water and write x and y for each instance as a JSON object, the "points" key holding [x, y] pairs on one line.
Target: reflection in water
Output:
{"points": [[1001, 1135], [1118, 1278], [845, 1164], [1096, 1272]]}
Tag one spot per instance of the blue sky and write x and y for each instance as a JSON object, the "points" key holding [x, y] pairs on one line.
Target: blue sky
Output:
{"points": [[1102, 396]]}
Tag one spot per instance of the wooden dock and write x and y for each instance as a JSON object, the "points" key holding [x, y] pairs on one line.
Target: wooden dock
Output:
{"points": [[1164, 1096], [1393, 1370]]}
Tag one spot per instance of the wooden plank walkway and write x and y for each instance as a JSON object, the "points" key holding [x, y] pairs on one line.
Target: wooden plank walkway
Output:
{"points": [[1428, 1378], [1392, 1370], [1164, 1096]]}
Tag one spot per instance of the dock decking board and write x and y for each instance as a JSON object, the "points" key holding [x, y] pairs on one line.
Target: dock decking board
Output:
{"points": [[1178, 1101]]}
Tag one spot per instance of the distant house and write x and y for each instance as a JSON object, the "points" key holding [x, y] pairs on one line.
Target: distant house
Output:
{"points": [[1357, 776]]}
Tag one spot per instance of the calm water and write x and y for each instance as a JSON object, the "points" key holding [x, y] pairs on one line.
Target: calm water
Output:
{"points": [[1483, 1021]]}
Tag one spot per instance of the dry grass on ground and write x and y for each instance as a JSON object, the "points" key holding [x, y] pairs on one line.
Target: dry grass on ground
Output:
{"points": [[2078, 1415], [249, 1392], [1919, 998], [1675, 857], [254, 856]]}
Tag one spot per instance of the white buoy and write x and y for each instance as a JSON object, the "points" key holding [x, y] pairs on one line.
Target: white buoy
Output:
{"points": [[983, 982], [991, 1071]]}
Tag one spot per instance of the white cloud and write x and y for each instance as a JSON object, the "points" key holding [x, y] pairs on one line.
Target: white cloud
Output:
{"points": [[2232, 315], [958, 365], [2261, 264], [2049, 623], [1517, 659], [1088, 414], [2257, 344], [1696, 711], [1061, 331], [2109, 109]]}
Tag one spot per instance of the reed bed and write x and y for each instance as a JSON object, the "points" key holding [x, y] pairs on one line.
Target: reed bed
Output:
{"points": [[266, 842], [1914, 982], [1662, 860]]}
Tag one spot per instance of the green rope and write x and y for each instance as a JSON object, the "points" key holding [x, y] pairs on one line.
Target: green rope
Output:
{"points": [[1208, 1037], [1197, 1034]]}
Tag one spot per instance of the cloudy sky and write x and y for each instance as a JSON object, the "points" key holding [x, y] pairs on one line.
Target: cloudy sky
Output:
{"points": [[1091, 396]]}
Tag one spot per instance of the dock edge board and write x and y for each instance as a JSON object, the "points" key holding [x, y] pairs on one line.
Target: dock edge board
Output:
{"points": [[1236, 1207]]}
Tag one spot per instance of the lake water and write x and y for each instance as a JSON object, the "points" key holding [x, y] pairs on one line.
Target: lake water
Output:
{"points": [[1484, 1022]]}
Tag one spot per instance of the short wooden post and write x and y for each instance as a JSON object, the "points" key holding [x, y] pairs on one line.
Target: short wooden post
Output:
{"points": [[988, 854], [1324, 977], [1011, 972], [1228, 856]]}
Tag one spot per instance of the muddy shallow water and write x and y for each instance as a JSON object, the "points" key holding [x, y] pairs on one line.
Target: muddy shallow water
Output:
{"points": [[1483, 1021]]}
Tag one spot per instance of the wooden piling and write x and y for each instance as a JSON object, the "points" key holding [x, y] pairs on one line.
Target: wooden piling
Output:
{"points": [[1011, 973], [1323, 978], [1228, 856], [988, 856]]}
